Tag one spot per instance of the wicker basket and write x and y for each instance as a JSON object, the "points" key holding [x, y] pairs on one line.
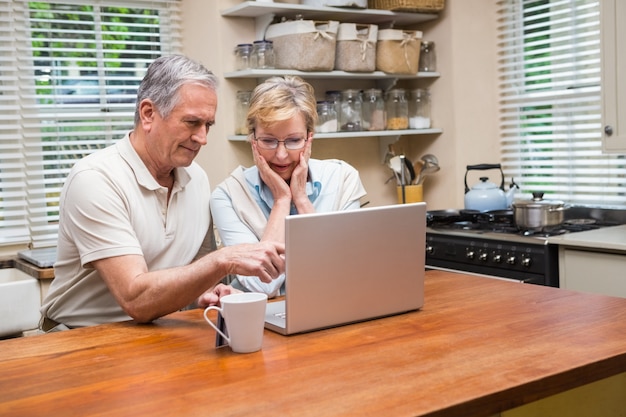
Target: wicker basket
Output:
{"points": [[356, 47], [398, 51], [415, 6], [305, 45]]}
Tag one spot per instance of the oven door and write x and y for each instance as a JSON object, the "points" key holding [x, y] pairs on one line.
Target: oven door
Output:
{"points": [[533, 263]]}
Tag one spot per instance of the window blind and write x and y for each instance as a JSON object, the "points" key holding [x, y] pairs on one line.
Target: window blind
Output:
{"points": [[69, 72], [550, 104]]}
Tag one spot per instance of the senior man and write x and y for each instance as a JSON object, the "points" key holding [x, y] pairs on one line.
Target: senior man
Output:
{"points": [[135, 233]]}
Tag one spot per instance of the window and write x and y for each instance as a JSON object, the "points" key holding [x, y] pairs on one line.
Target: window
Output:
{"points": [[69, 73], [550, 102]]}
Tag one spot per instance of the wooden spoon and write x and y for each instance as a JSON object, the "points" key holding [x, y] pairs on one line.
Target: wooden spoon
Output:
{"points": [[418, 166]]}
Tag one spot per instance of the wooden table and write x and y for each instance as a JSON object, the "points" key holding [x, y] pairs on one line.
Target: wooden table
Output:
{"points": [[479, 346]]}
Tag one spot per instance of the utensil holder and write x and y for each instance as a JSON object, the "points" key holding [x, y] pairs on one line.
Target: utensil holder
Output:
{"points": [[412, 193]]}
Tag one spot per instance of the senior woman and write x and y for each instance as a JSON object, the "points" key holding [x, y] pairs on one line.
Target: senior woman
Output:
{"points": [[252, 203]]}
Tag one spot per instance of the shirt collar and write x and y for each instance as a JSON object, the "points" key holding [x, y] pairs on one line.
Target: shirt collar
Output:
{"points": [[144, 177]]}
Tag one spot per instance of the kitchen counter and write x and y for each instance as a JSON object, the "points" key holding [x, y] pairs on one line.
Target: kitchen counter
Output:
{"points": [[478, 347], [28, 268], [607, 238], [34, 270], [593, 261]]}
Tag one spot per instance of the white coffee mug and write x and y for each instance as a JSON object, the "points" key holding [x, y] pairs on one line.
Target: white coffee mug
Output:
{"points": [[244, 314]]}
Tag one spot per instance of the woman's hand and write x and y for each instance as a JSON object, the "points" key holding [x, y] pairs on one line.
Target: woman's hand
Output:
{"points": [[277, 185], [299, 179]]}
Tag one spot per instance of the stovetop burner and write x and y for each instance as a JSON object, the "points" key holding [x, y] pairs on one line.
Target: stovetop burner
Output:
{"points": [[545, 232], [502, 222], [580, 221], [485, 227], [490, 244], [464, 225]]}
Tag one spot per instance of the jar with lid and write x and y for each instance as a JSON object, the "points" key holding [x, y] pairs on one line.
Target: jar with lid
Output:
{"points": [[350, 116], [262, 54], [326, 117], [373, 110], [243, 102], [334, 97], [419, 109], [397, 109], [428, 58], [243, 55]]}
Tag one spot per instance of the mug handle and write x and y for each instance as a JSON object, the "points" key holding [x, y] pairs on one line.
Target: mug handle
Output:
{"points": [[208, 320]]}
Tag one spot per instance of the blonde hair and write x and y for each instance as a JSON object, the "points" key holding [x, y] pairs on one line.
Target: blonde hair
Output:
{"points": [[281, 98]]}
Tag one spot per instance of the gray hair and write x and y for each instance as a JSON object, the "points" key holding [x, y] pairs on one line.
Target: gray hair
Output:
{"points": [[164, 78]]}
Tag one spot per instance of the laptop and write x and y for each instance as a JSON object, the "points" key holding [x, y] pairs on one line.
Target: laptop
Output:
{"points": [[350, 266], [43, 258]]}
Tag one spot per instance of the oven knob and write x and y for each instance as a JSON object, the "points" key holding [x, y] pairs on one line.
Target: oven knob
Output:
{"points": [[470, 254], [483, 257], [526, 262], [497, 258], [511, 260], [430, 250]]}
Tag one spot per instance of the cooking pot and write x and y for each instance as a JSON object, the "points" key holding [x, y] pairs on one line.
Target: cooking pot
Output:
{"points": [[537, 213], [487, 196]]}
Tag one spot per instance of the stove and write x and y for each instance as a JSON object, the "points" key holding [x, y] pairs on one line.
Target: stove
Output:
{"points": [[490, 244]]}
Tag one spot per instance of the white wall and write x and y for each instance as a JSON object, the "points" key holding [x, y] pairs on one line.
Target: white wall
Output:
{"points": [[464, 100]]}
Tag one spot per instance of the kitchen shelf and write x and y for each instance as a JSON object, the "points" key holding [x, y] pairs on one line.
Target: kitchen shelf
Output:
{"points": [[385, 137], [266, 12], [376, 75], [359, 134], [259, 9]]}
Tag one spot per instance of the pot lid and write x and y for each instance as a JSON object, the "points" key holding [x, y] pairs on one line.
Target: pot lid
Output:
{"points": [[538, 201]]}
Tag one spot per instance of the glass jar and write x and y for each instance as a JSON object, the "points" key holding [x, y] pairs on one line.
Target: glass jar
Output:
{"points": [[373, 110], [419, 109], [243, 54], [243, 102], [263, 54], [428, 58], [397, 109], [350, 117], [326, 117], [334, 97]]}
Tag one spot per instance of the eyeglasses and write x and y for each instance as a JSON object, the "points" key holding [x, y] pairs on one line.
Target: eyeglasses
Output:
{"points": [[291, 144]]}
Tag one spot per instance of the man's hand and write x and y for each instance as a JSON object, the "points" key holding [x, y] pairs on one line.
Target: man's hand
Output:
{"points": [[265, 260], [212, 296]]}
